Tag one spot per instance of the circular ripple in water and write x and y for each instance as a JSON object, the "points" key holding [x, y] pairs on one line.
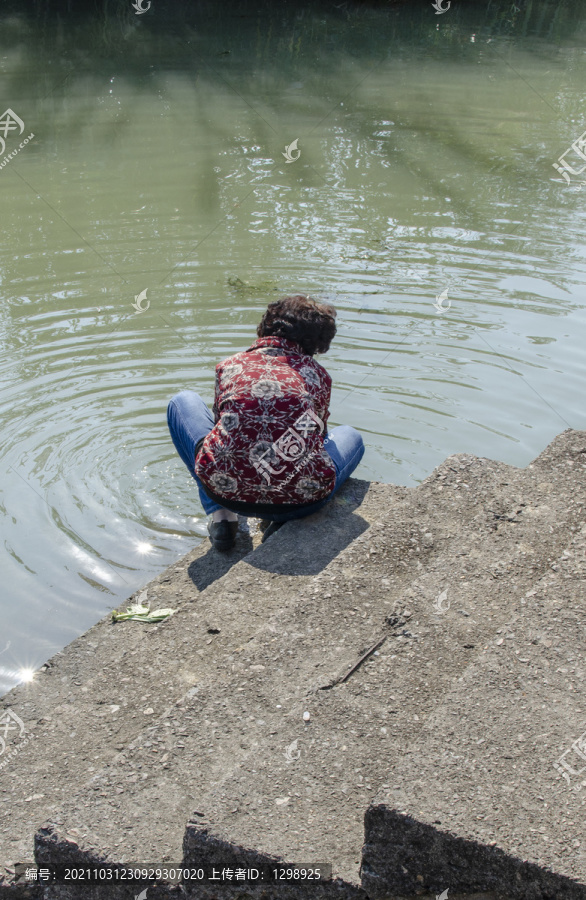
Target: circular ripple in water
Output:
{"points": [[95, 497]]}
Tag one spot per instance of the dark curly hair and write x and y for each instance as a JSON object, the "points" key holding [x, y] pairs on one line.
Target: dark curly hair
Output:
{"points": [[301, 319]]}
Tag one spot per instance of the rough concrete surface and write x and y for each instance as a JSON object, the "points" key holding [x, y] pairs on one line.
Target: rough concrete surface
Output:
{"points": [[435, 637]]}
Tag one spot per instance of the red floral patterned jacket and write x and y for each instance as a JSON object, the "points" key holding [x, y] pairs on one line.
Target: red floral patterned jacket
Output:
{"points": [[271, 408]]}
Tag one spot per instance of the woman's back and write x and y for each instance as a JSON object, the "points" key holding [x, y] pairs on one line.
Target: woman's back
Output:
{"points": [[271, 409]]}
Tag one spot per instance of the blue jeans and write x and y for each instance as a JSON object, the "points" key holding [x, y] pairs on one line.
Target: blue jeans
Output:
{"points": [[189, 420]]}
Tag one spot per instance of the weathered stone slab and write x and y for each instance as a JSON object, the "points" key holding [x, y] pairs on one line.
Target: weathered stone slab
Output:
{"points": [[279, 663], [491, 795], [60, 850], [486, 554], [99, 695], [369, 616]]}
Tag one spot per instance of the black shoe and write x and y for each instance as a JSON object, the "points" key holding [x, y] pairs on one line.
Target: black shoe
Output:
{"points": [[270, 528], [223, 535]]}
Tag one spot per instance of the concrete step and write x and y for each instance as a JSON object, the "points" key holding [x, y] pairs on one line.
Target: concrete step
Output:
{"points": [[89, 703], [233, 601], [469, 548], [490, 796], [362, 728], [478, 529]]}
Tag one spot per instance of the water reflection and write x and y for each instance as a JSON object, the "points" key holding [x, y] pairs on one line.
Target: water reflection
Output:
{"points": [[426, 166]]}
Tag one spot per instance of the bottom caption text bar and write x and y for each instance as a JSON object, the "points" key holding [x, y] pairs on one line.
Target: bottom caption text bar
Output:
{"points": [[141, 874]]}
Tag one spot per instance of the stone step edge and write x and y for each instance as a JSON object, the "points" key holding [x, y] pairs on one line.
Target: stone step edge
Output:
{"points": [[55, 849], [310, 690], [179, 564], [490, 862], [203, 847], [201, 838], [487, 863]]}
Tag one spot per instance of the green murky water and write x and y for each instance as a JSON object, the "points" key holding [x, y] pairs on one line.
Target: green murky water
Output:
{"points": [[424, 165]]}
